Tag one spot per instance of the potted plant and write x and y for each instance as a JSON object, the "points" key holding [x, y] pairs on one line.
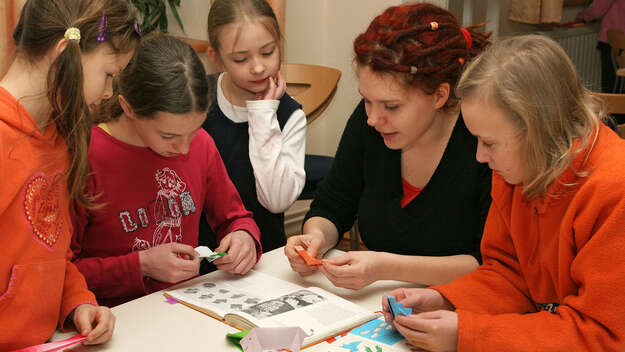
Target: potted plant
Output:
{"points": [[154, 14]]}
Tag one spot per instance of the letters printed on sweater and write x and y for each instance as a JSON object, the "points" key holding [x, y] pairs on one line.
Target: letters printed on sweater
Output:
{"points": [[41, 208], [172, 202]]}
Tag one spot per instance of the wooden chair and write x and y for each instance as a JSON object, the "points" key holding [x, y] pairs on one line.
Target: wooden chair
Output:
{"points": [[312, 86], [616, 39], [616, 105]]}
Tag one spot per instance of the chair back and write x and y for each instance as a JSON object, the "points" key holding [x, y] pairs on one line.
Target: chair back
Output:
{"points": [[312, 86], [616, 39], [615, 104]]}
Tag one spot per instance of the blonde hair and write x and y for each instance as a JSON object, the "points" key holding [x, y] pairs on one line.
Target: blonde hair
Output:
{"points": [[532, 79]]}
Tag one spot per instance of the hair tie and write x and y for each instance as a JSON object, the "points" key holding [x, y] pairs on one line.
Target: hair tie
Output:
{"points": [[103, 24], [137, 28], [434, 26], [467, 37], [72, 33]]}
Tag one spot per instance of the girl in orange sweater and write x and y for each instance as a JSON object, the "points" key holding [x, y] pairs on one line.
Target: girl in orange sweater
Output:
{"points": [[67, 53], [551, 278]]}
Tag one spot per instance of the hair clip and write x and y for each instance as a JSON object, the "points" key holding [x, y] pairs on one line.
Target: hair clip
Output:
{"points": [[467, 37], [102, 30], [72, 33], [413, 70], [434, 25], [137, 28]]}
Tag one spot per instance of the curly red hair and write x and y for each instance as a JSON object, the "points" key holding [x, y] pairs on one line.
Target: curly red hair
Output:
{"points": [[419, 37]]}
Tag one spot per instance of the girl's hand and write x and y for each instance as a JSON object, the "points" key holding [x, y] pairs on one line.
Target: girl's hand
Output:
{"points": [[275, 89], [170, 262], [419, 299], [241, 249], [313, 243], [84, 317], [431, 331], [354, 270]]}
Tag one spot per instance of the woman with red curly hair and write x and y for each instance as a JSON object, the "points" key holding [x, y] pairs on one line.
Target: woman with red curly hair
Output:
{"points": [[405, 166]]}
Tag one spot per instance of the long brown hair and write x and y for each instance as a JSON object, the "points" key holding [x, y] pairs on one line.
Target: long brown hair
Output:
{"points": [[41, 25], [422, 44], [165, 74]]}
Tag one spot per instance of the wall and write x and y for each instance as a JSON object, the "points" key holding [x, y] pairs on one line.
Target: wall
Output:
{"points": [[317, 32], [9, 13]]}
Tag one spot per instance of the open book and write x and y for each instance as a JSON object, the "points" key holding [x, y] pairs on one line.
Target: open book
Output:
{"points": [[260, 300]]}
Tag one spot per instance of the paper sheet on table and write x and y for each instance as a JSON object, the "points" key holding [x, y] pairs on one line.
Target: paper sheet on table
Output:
{"points": [[262, 339]]}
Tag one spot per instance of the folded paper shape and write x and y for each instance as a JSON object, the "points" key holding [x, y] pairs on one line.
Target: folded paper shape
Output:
{"points": [[236, 337], [396, 308], [307, 258], [205, 252], [262, 339]]}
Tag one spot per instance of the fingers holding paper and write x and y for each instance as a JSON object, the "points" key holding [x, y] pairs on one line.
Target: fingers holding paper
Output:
{"points": [[353, 270], [419, 299], [312, 243], [241, 249], [432, 331], [169, 262], [95, 322]]}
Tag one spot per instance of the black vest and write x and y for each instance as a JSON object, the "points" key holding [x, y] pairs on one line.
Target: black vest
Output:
{"points": [[232, 140]]}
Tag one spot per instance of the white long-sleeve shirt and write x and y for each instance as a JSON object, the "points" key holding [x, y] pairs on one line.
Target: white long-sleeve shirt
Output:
{"points": [[277, 156]]}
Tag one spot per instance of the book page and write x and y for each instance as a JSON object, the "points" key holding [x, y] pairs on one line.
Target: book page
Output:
{"points": [[221, 293], [261, 300], [319, 313]]}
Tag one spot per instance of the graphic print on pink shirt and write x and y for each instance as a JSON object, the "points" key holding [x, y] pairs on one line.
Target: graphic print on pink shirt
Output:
{"points": [[166, 213]]}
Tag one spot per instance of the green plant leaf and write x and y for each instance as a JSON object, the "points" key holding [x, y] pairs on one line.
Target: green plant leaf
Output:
{"points": [[163, 18], [174, 11], [154, 13]]}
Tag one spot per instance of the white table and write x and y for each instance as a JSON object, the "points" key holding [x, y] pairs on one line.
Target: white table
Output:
{"points": [[151, 324]]}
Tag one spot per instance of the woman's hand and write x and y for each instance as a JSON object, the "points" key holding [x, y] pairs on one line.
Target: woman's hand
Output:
{"points": [[313, 243], [354, 269]]}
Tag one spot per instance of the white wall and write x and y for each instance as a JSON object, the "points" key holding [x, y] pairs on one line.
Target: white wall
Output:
{"points": [[321, 32]]}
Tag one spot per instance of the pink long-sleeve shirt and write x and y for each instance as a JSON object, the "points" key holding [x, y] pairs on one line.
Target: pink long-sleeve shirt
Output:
{"points": [[612, 13], [150, 200]]}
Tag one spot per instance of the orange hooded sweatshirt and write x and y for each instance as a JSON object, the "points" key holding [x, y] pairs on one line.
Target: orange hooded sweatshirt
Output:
{"points": [[39, 286], [553, 273]]}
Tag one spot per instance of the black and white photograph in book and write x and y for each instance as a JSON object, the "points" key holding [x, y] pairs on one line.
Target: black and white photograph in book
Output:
{"points": [[286, 303]]}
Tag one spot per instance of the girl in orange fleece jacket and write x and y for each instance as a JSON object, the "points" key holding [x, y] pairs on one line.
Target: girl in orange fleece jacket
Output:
{"points": [[552, 278], [67, 53]]}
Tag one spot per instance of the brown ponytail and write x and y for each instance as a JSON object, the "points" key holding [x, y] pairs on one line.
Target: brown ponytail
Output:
{"points": [[41, 25]]}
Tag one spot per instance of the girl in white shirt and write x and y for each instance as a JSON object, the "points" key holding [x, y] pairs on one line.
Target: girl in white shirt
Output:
{"points": [[259, 130]]}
